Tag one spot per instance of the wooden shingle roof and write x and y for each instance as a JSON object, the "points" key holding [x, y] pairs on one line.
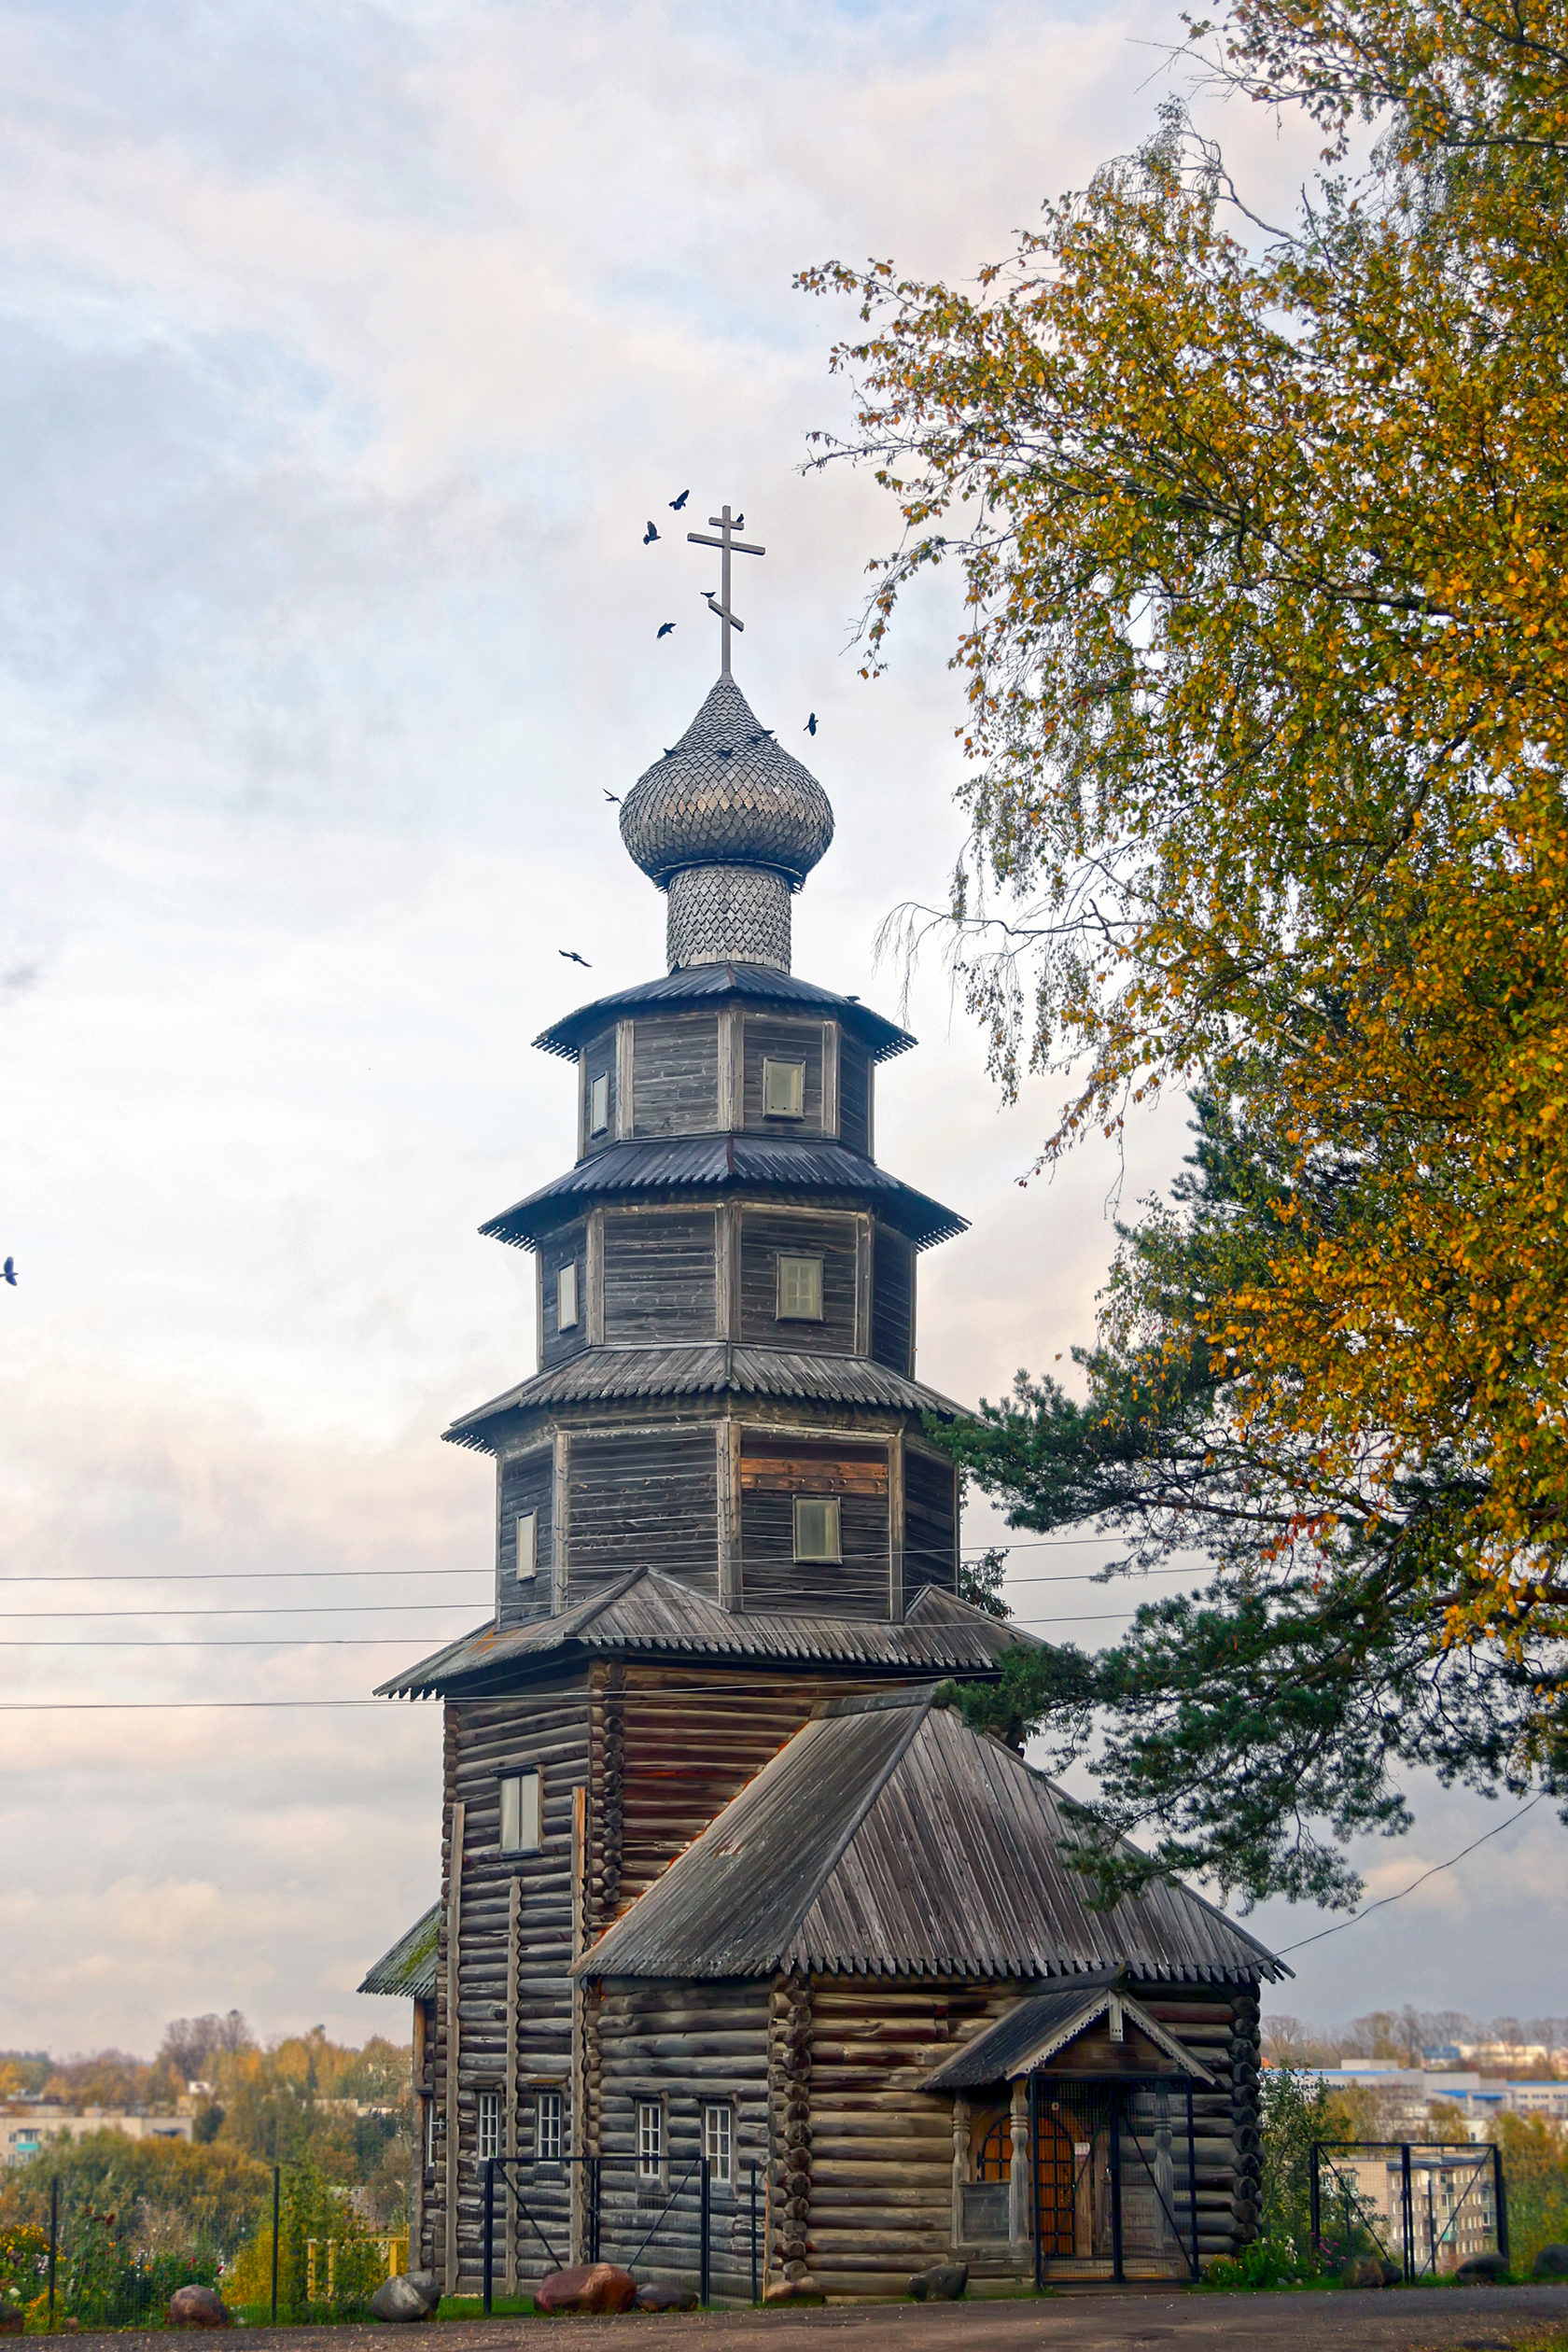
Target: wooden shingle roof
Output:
{"points": [[648, 1615], [410, 1968], [889, 1839]]}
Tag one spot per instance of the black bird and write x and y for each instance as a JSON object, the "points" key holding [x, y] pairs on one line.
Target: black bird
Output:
{"points": [[613, 796], [761, 736], [727, 755], [810, 727], [649, 534], [9, 1270], [740, 522], [676, 504], [572, 956], [664, 627], [669, 751]]}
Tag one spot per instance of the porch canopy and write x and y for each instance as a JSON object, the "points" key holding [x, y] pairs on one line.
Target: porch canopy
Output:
{"points": [[1057, 2030]]}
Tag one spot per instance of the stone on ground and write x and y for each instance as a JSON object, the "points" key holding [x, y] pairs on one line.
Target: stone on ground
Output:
{"points": [[1366, 2270], [793, 2290], [655, 2298], [12, 2319], [1551, 2262], [401, 2298], [1480, 2268], [591, 2287], [943, 2282], [196, 2306]]}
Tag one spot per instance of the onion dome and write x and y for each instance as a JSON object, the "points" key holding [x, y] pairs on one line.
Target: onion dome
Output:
{"points": [[728, 824]]}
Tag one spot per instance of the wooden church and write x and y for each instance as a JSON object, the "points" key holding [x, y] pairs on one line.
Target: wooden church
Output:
{"points": [[722, 1877]]}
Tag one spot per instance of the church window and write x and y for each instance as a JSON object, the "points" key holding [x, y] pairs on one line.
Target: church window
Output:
{"points": [[547, 2132], [800, 1289], [719, 2145], [816, 1527], [598, 1105], [566, 1298], [489, 2125], [527, 1546], [783, 1090], [522, 1813], [651, 2139], [430, 2107]]}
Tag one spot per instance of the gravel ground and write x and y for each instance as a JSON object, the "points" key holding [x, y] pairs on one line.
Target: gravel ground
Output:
{"points": [[1465, 2319]]}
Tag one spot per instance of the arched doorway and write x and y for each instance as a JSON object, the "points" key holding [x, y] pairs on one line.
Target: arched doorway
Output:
{"points": [[991, 2151]]}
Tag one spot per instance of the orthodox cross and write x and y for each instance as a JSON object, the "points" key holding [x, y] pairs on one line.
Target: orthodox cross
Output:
{"points": [[724, 525]]}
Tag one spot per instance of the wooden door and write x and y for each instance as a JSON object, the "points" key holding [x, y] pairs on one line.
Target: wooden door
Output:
{"points": [[1054, 2188]]}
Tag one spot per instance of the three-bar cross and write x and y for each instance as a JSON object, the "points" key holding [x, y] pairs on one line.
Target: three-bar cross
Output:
{"points": [[724, 524]]}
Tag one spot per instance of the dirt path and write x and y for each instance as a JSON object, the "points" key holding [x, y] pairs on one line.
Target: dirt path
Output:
{"points": [[1465, 2319]]}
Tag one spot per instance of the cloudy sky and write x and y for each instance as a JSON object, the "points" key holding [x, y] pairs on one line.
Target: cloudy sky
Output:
{"points": [[344, 349]]}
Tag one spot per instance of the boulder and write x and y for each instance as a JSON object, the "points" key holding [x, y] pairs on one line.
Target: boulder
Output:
{"points": [[1551, 2262], [404, 2298], [1362, 2270], [652, 2298], [945, 2282], [196, 2306], [1483, 2270], [12, 2319], [793, 2290], [591, 2287]]}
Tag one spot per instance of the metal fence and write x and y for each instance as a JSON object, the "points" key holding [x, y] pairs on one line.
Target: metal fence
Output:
{"points": [[678, 2228], [1115, 2179], [104, 2267], [1425, 2206]]}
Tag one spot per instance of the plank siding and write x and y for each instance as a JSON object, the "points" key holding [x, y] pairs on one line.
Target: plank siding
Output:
{"points": [[567, 1247], [485, 1739], [644, 1499], [930, 1522], [763, 1235], [599, 1059], [772, 1578], [659, 1279], [525, 1482], [893, 1296], [768, 1039], [854, 1093], [675, 1077]]}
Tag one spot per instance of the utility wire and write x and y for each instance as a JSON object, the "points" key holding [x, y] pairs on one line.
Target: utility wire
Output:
{"points": [[381, 1641], [1356, 1917]]}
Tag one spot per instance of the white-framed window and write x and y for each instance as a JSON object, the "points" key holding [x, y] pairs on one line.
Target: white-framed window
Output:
{"points": [[489, 2141], [816, 1535], [547, 2128], [783, 1090], [800, 1289], [430, 2135], [651, 2139], [598, 1104], [566, 1298], [522, 1812], [527, 1546], [719, 2144]]}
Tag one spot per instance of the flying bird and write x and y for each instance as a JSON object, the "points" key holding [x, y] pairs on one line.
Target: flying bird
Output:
{"points": [[572, 956], [9, 1270], [651, 534], [676, 504], [664, 627], [613, 796], [810, 727], [761, 736]]}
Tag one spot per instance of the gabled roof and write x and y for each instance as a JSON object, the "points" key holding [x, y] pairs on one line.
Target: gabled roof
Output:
{"points": [[816, 1171], [410, 1966], [706, 1369], [1037, 2030], [652, 1615], [724, 983], [889, 1839]]}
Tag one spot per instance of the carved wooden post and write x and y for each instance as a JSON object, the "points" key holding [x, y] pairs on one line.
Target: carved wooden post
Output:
{"points": [[961, 2161], [1018, 2229]]}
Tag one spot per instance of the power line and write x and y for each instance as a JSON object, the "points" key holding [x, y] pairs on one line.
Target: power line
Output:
{"points": [[1356, 1917]]}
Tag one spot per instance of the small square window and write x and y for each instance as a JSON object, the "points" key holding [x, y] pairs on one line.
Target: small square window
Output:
{"points": [[719, 2145], [547, 2132], [816, 1527], [566, 1298], [598, 1104], [522, 1813], [651, 2139], [489, 2124], [800, 1289], [527, 1546], [783, 1090]]}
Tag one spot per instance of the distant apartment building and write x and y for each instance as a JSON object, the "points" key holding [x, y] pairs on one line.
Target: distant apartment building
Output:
{"points": [[26, 2125], [1453, 2207], [1410, 2091]]}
